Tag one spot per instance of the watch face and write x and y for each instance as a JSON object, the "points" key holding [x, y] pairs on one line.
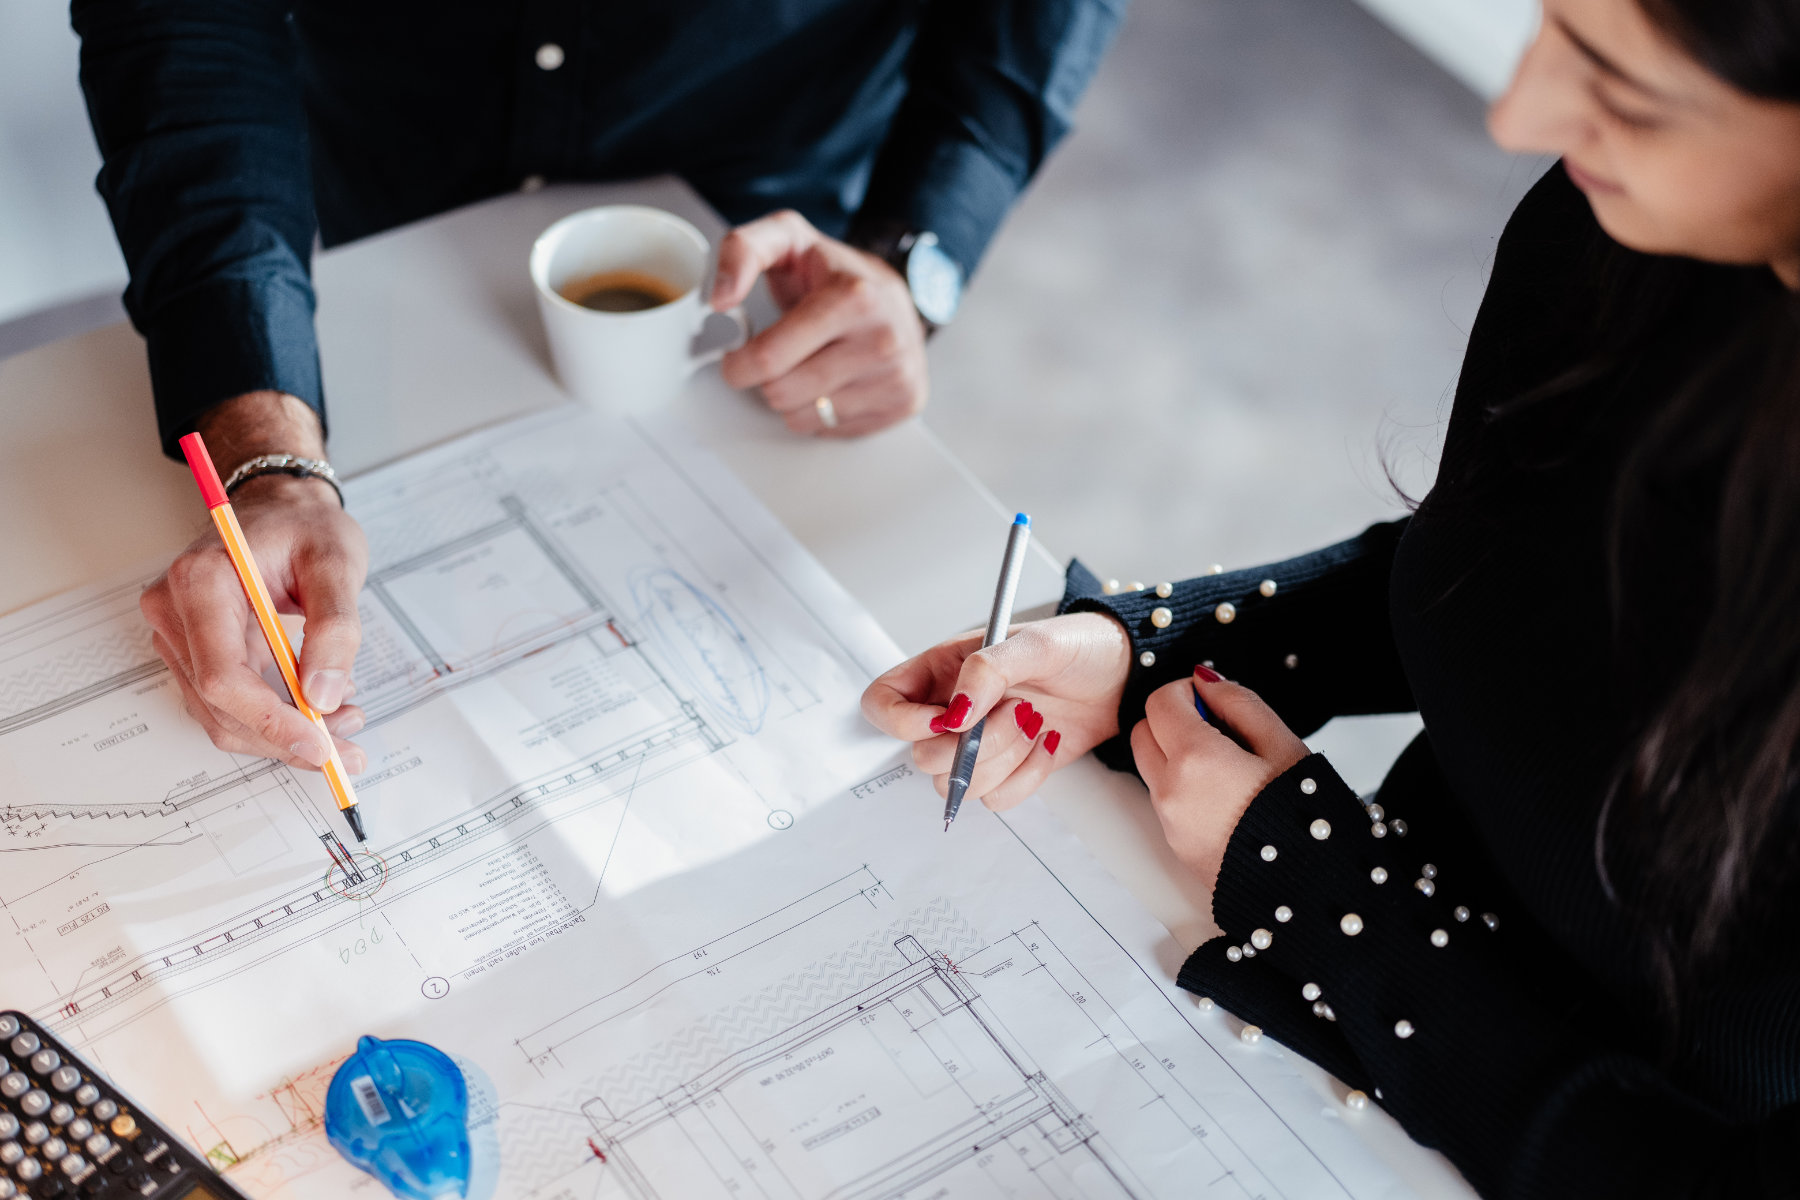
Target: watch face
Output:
{"points": [[935, 279]]}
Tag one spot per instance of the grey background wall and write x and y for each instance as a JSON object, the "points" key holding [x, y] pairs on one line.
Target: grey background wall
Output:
{"points": [[55, 242]]}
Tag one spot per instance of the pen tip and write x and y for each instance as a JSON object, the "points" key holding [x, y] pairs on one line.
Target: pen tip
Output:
{"points": [[946, 827], [356, 826]]}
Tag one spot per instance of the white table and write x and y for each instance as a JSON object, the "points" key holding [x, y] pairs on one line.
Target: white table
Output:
{"points": [[430, 331]]}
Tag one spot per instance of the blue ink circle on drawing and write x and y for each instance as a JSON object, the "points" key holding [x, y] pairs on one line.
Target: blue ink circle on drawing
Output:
{"points": [[703, 645]]}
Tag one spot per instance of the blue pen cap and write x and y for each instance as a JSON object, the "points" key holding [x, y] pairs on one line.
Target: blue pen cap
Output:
{"points": [[1021, 519], [400, 1111]]}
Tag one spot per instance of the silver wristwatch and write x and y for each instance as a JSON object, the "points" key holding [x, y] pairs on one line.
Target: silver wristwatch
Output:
{"points": [[286, 464]]}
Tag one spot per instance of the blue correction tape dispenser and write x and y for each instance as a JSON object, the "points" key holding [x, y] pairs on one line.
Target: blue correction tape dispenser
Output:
{"points": [[400, 1111]]}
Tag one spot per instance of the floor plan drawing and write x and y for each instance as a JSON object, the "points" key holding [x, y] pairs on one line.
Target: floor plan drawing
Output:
{"points": [[920, 1049], [634, 860]]}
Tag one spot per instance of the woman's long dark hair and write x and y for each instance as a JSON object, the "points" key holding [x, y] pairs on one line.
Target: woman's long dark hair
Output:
{"points": [[1697, 839]]}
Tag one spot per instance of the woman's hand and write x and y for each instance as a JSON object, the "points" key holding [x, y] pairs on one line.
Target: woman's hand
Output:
{"points": [[1200, 780], [1051, 690]]}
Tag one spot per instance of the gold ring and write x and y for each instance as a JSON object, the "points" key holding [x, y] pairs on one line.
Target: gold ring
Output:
{"points": [[827, 411]]}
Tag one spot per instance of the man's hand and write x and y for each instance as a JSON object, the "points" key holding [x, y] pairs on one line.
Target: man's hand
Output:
{"points": [[848, 328], [313, 557]]}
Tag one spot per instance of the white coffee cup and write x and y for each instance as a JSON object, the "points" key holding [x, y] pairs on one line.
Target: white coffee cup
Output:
{"points": [[626, 361]]}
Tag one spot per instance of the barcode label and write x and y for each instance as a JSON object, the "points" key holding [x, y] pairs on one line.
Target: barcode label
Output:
{"points": [[372, 1105]]}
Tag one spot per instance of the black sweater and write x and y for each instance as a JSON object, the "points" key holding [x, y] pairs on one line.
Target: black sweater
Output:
{"points": [[1532, 1054]]}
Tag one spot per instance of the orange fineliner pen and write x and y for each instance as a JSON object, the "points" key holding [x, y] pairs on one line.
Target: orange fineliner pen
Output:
{"points": [[257, 592]]}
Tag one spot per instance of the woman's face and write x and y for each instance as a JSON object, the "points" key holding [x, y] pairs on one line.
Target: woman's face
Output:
{"points": [[1673, 159]]}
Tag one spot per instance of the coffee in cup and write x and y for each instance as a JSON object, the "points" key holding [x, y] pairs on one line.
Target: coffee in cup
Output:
{"points": [[619, 288], [620, 291]]}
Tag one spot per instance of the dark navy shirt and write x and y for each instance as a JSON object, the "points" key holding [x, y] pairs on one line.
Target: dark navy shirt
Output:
{"points": [[234, 131]]}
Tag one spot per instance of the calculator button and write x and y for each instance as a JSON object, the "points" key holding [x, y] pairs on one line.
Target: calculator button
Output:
{"points": [[13, 1085], [94, 1186], [73, 1165], [28, 1170], [98, 1144], [9, 1126], [45, 1061], [65, 1078], [142, 1181], [78, 1129], [121, 1163], [35, 1103], [25, 1045], [8, 1189], [11, 1152], [9, 1025], [124, 1126], [62, 1114], [36, 1133], [52, 1188], [106, 1110], [87, 1093], [54, 1149]]}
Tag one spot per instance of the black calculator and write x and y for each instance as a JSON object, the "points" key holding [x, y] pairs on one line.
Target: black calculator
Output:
{"points": [[68, 1134]]}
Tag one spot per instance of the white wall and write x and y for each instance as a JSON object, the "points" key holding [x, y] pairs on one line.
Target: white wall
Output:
{"points": [[1478, 41], [55, 240]]}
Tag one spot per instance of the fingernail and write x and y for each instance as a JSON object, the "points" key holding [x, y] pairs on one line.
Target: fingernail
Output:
{"points": [[958, 711], [1035, 727], [309, 751], [1207, 674], [1052, 740], [355, 761], [350, 726], [325, 689], [937, 724], [1022, 714]]}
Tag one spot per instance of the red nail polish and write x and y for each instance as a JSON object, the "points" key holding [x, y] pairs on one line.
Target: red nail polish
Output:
{"points": [[960, 705], [1036, 726], [937, 724], [1022, 714], [1052, 740], [1208, 674]]}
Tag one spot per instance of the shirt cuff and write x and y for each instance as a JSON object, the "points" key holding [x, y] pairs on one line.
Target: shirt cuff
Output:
{"points": [[1342, 905], [228, 337], [954, 189], [1158, 627]]}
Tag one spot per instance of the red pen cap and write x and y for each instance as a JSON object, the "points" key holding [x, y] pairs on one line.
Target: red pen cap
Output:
{"points": [[201, 464]]}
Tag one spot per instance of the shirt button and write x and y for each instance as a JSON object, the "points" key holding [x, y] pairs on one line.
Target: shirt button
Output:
{"points": [[549, 56], [531, 183]]}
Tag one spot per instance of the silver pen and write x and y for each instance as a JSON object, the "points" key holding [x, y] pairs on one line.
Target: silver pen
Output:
{"points": [[962, 768]]}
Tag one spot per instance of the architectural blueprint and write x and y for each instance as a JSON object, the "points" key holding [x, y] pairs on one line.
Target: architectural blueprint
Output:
{"points": [[690, 927]]}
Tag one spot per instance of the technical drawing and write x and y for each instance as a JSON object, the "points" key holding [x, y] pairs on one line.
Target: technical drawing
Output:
{"points": [[911, 1074], [481, 588], [917, 1061], [634, 858]]}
